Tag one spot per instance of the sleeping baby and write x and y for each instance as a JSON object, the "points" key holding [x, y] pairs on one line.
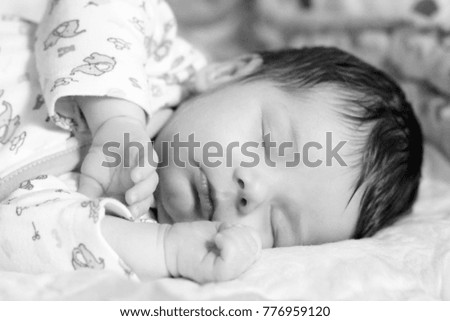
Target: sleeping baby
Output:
{"points": [[295, 147]]}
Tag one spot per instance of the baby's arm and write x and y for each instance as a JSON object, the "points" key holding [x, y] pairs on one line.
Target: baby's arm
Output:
{"points": [[106, 60], [98, 58], [202, 251], [132, 171]]}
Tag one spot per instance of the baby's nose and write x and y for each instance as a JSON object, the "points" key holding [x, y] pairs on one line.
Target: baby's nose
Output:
{"points": [[252, 192]]}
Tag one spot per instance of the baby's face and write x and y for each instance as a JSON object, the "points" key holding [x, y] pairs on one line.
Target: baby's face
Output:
{"points": [[288, 200]]}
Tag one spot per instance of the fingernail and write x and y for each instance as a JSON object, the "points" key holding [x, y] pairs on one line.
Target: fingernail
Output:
{"points": [[134, 212]]}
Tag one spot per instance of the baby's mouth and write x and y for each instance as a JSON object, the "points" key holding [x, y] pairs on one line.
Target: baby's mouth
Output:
{"points": [[204, 195]]}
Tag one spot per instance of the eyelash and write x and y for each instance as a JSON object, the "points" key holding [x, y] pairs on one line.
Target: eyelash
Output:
{"points": [[263, 136], [265, 143]]}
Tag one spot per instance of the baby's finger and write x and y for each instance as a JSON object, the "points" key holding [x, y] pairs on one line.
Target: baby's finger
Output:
{"points": [[141, 208], [140, 173], [147, 163], [142, 190], [234, 257], [242, 237], [152, 201], [225, 226]]}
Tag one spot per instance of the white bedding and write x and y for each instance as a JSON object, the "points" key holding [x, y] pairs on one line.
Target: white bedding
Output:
{"points": [[408, 261]]}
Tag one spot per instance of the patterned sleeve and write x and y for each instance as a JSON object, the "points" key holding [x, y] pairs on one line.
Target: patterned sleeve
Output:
{"points": [[125, 49], [47, 227]]}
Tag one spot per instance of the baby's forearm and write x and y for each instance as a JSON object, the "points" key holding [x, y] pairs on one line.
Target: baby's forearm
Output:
{"points": [[112, 167], [139, 245], [202, 251], [98, 110]]}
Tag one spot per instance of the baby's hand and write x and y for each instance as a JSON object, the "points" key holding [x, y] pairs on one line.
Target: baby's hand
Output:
{"points": [[129, 176], [210, 251]]}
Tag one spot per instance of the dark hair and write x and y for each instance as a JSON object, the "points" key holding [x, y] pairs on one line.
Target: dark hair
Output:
{"points": [[392, 153]]}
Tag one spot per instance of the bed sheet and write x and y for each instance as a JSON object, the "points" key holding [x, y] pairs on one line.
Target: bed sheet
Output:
{"points": [[408, 261]]}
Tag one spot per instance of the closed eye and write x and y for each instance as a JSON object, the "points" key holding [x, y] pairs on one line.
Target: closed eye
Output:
{"points": [[265, 137]]}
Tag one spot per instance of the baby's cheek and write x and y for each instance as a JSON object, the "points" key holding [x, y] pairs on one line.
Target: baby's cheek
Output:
{"points": [[176, 196]]}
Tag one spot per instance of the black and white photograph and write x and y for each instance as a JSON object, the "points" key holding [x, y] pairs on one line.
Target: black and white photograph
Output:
{"points": [[290, 151]]}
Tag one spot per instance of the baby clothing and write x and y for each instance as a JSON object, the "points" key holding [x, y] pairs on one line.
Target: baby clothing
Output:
{"points": [[118, 48], [125, 49], [46, 227]]}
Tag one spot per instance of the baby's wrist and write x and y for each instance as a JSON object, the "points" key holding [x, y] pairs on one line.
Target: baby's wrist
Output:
{"points": [[100, 110], [123, 123], [117, 128], [161, 240], [170, 250]]}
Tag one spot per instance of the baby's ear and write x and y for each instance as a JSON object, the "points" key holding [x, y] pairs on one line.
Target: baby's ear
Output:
{"points": [[217, 74]]}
